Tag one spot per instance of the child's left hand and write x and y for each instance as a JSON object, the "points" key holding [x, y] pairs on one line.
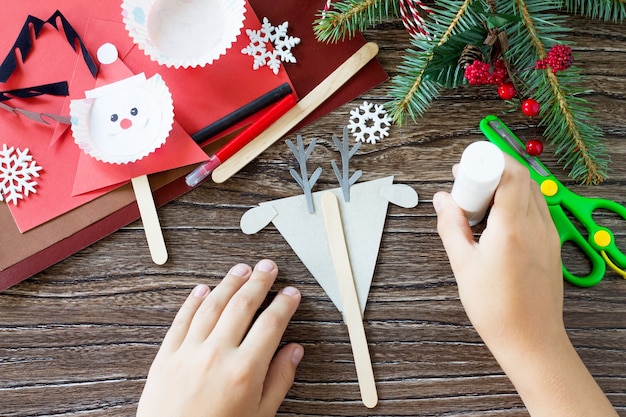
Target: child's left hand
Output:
{"points": [[213, 363]]}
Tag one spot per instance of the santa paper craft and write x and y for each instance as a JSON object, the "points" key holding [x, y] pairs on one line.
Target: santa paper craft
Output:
{"points": [[121, 123], [201, 96]]}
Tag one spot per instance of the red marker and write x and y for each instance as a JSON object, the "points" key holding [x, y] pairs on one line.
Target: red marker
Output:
{"points": [[273, 114]]}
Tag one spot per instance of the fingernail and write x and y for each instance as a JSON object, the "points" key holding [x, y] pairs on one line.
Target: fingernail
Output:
{"points": [[297, 355], [265, 265], [200, 290], [291, 291], [437, 202], [239, 270]]}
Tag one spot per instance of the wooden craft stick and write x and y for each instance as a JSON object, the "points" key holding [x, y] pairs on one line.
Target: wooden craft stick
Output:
{"points": [[349, 299], [294, 116], [150, 219]]}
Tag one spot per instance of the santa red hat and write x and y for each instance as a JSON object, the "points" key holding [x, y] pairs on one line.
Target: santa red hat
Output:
{"points": [[113, 73]]}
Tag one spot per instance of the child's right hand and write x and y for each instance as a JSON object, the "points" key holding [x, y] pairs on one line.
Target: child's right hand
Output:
{"points": [[511, 280], [511, 286]]}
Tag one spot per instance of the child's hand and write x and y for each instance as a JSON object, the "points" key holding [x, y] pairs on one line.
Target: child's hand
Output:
{"points": [[212, 363], [511, 287], [511, 280]]}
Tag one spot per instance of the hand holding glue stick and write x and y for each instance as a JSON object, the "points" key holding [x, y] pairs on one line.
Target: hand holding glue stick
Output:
{"points": [[510, 283], [477, 178]]}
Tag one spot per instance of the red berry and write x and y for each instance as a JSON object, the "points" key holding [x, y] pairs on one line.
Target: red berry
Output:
{"points": [[559, 58], [506, 91], [477, 73], [534, 147], [530, 107], [498, 75]]}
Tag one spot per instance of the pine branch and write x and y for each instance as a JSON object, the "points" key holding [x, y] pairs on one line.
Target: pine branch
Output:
{"points": [[412, 93], [564, 113], [413, 90], [569, 125], [350, 16], [606, 10], [444, 68], [431, 63]]}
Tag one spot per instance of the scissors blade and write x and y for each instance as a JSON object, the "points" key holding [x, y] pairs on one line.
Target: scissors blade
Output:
{"points": [[532, 161]]}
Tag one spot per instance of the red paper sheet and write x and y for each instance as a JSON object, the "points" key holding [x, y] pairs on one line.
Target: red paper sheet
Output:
{"points": [[201, 96]]}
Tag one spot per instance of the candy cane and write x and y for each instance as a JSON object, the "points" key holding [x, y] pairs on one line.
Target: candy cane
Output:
{"points": [[411, 13]]}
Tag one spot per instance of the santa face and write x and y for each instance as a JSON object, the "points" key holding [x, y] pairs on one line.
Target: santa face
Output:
{"points": [[124, 121]]}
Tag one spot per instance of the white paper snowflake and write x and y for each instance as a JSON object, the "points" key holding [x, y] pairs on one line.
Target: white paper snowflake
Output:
{"points": [[256, 48], [17, 170], [369, 122], [283, 43], [270, 45]]}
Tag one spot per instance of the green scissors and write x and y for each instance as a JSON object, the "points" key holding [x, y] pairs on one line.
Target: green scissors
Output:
{"points": [[600, 248]]}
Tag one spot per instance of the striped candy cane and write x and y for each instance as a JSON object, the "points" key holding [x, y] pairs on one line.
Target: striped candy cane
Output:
{"points": [[326, 8], [412, 13]]}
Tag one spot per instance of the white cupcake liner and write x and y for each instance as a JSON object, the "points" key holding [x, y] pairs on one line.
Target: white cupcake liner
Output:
{"points": [[184, 33], [151, 98]]}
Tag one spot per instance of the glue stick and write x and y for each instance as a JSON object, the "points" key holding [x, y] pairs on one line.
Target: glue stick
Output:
{"points": [[476, 179]]}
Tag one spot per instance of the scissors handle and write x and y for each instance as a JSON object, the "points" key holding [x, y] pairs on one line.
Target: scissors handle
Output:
{"points": [[560, 200], [569, 233], [600, 238]]}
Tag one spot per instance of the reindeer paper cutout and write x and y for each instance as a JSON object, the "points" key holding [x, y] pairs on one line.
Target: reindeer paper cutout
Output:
{"points": [[336, 234], [363, 222]]}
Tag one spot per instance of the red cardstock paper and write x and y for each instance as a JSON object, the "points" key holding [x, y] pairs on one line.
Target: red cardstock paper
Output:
{"points": [[201, 96], [24, 254]]}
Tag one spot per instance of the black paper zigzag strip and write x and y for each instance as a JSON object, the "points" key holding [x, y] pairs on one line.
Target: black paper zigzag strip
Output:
{"points": [[55, 89], [24, 43]]}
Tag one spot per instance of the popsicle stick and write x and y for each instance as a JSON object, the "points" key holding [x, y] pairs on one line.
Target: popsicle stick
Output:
{"points": [[349, 299], [294, 116], [150, 219]]}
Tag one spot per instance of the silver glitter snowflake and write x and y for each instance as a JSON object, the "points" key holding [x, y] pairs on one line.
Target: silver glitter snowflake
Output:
{"points": [[17, 170], [369, 122], [270, 45]]}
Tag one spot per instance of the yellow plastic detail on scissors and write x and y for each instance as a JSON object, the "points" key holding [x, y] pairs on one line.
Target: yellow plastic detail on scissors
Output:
{"points": [[602, 238], [612, 265], [549, 188]]}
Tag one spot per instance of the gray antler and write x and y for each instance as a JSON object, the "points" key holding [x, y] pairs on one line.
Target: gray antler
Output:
{"points": [[343, 176], [303, 180]]}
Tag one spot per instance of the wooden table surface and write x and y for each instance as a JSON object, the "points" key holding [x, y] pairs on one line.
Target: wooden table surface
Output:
{"points": [[78, 338]]}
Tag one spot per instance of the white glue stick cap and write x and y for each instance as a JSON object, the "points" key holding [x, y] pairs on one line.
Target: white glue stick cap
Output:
{"points": [[477, 177]]}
